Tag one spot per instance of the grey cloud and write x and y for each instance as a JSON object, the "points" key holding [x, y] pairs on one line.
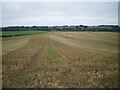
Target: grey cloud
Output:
{"points": [[52, 13]]}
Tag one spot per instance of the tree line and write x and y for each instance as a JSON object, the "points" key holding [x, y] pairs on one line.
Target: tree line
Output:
{"points": [[110, 28]]}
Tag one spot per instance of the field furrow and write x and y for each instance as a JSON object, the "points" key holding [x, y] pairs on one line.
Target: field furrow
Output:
{"points": [[61, 60]]}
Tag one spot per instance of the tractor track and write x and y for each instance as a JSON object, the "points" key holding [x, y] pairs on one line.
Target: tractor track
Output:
{"points": [[27, 67]]}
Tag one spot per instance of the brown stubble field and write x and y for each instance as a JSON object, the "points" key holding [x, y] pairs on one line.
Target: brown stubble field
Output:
{"points": [[61, 60]]}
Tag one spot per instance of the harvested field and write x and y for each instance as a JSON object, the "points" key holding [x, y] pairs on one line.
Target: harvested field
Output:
{"points": [[61, 60]]}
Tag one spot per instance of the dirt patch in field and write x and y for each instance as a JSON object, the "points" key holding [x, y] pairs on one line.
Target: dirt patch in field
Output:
{"points": [[108, 37], [63, 40], [89, 68], [15, 62], [82, 41], [13, 44], [27, 67]]}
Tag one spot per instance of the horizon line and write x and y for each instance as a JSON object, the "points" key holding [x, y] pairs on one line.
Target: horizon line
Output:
{"points": [[60, 25]]}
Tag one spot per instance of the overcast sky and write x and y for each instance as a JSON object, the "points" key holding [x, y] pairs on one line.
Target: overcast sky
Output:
{"points": [[59, 13]]}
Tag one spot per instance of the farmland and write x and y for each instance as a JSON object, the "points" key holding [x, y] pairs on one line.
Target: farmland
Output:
{"points": [[61, 60], [18, 33]]}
